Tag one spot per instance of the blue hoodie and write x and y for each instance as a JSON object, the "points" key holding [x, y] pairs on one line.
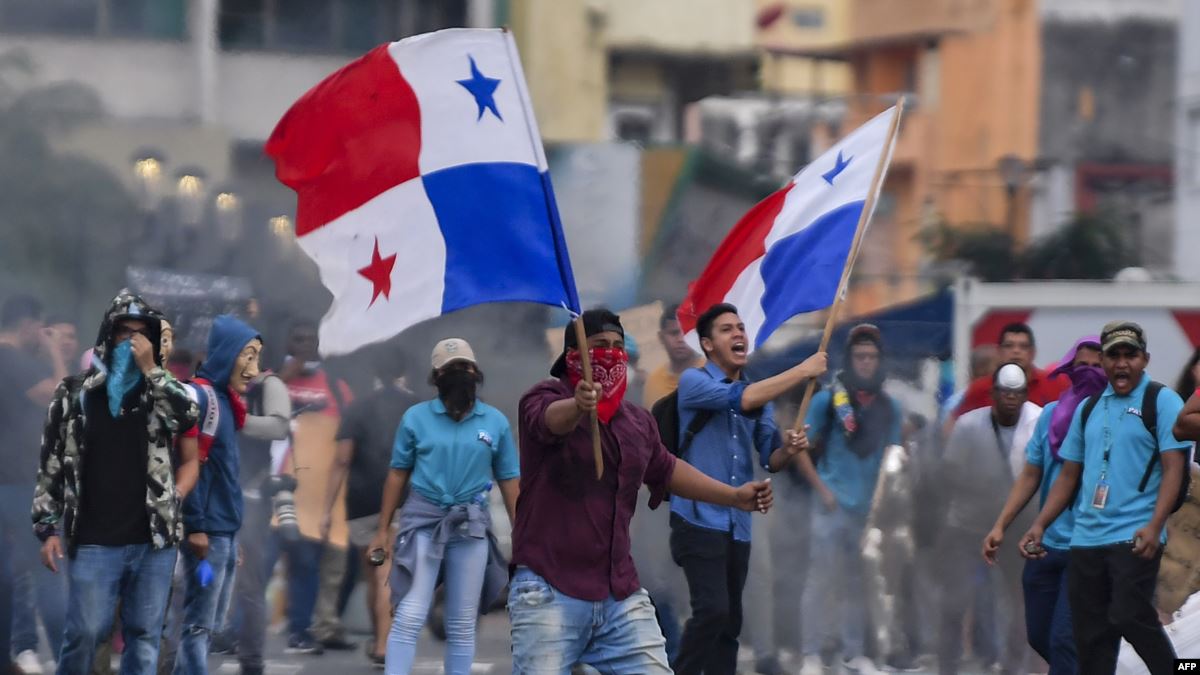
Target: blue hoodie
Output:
{"points": [[215, 505]]}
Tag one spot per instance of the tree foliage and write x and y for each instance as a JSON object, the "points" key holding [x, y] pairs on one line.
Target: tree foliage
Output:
{"points": [[1088, 246], [63, 217]]}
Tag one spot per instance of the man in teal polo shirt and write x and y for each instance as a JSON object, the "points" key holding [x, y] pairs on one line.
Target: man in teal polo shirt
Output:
{"points": [[1116, 545]]}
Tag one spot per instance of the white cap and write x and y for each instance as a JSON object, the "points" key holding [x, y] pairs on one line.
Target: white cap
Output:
{"points": [[450, 350], [1011, 376]]}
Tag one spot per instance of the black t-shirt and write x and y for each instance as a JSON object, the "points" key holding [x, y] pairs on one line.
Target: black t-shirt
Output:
{"points": [[112, 511], [21, 419], [371, 423]]}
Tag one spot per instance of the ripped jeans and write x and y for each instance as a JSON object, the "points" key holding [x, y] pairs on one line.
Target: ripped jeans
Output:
{"points": [[204, 607]]}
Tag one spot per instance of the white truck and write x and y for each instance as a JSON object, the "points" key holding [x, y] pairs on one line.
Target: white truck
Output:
{"points": [[1060, 312]]}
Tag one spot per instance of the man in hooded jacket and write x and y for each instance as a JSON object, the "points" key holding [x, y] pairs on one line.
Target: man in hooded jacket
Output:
{"points": [[852, 421], [212, 514], [114, 422]]}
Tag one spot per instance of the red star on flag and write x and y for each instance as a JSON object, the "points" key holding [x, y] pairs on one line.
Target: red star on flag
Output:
{"points": [[379, 273]]}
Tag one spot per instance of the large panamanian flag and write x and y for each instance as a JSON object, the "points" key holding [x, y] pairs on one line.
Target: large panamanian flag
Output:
{"points": [[785, 256], [422, 186]]}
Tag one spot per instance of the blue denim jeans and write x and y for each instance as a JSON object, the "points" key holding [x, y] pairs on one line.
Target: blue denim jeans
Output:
{"points": [[834, 588], [303, 558], [1048, 611], [552, 631], [36, 591], [465, 561], [204, 607], [140, 578]]}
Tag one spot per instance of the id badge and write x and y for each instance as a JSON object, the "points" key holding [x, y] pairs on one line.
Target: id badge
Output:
{"points": [[1100, 498]]}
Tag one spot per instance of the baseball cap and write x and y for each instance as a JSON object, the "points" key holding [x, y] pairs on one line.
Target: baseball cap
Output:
{"points": [[450, 350], [1122, 333], [1010, 376], [594, 321], [865, 332]]}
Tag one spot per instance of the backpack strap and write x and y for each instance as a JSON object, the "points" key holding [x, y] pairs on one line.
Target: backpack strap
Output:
{"points": [[1088, 407], [1150, 419], [697, 424], [210, 415]]}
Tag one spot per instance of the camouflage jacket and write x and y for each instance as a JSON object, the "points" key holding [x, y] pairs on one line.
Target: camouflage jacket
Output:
{"points": [[64, 453]]}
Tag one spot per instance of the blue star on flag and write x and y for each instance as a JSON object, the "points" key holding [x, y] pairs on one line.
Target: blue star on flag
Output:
{"points": [[838, 167], [483, 89]]}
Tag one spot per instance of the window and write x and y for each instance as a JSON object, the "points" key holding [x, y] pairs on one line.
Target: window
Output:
{"points": [[353, 26], [808, 17], [154, 19], [165, 19], [58, 17], [242, 24]]}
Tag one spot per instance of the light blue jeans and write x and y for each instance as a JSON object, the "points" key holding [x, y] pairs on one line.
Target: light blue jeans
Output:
{"points": [[204, 608], [138, 576], [834, 588], [465, 561], [552, 631]]}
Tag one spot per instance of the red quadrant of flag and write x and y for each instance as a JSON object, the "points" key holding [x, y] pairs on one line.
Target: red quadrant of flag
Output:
{"points": [[348, 139]]}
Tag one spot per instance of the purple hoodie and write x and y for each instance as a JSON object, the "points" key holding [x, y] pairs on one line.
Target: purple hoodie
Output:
{"points": [[1085, 382]]}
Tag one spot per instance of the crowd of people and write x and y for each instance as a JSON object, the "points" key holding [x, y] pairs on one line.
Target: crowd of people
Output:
{"points": [[165, 491]]}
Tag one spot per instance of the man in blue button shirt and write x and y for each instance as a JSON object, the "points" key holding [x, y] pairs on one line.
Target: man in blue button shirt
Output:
{"points": [[1116, 545], [851, 421], [712, 543]]}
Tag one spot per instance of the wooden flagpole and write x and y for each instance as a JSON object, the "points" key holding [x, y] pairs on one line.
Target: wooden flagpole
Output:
{"points": [[586, 358], [863, 221]]}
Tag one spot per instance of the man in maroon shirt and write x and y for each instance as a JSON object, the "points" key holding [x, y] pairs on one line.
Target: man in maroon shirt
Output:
{"points": [[575, 595], [1016, 346]]}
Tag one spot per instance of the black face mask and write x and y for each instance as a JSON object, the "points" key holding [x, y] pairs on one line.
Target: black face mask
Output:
{"points": [[456, 388]]}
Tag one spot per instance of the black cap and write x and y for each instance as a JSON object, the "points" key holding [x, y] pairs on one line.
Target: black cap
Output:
{"points": [[1123, 333], [594, 321]]}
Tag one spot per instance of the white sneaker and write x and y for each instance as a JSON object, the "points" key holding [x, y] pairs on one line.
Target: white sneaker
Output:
{"points": [[812, 665], [861, 665], [28, 662]]}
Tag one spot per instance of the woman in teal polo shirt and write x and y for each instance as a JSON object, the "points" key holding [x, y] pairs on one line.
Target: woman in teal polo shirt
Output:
{"points": [[450, 449]]}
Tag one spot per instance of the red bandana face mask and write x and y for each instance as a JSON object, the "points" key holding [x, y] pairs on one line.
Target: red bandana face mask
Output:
{"points": [[609, 368]]}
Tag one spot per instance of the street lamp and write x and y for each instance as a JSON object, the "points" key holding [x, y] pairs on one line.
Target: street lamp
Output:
{"points": [[1012, 171], [189, 195], [281, 226], [228, 206], [147, 174]]}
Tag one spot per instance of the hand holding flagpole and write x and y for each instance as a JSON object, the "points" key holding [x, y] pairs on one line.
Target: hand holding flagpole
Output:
{"points": [[585, 359], [863, 221]]}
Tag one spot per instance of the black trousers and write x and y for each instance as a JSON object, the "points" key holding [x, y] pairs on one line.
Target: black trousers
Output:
{"points": [[1112, 596], [715, 566]]}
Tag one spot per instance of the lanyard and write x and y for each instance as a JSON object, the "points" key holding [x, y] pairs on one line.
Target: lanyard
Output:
{"points": [[1108, 439]]}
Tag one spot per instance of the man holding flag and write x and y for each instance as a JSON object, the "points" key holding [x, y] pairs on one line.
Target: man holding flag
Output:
{"points": [[571, 539], [792, 253]]}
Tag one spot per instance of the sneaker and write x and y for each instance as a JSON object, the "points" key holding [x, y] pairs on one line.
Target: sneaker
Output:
{"points": [[28, 663], [813, 665], [861, 665], [769, 665], [251, 670], [303, 644], [338, 644]]}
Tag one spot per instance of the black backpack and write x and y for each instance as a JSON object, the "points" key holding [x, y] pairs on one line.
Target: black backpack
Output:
{"points": [[1150, 420], [666, 413]]}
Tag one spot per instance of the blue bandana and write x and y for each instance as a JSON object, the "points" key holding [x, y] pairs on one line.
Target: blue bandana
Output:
{"points": [[123, 376]]}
